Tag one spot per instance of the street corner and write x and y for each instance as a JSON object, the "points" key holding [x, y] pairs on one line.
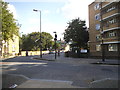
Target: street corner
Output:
{"points": [[104, 83], [12, 80]]}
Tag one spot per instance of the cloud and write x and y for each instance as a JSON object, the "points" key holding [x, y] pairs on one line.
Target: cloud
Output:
{"points": [[74, 9], [36, 0], [47, 27], [33, 20], [51, 27], [46, 11], [12, 9]]}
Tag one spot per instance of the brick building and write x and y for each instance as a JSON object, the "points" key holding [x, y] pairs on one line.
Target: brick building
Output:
{"points": [[104, 29]]}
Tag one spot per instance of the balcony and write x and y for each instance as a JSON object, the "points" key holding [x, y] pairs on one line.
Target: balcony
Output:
{"points": [[111, 42], [115, 28], [110, 27], [106, 4], [110, 14]]}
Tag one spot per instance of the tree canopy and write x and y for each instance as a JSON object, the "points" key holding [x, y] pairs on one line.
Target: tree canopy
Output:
{"points": [[9, 26], [32, 41], [77, 33]]}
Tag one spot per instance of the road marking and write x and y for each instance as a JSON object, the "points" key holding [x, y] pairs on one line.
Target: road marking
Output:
{"points": [[18, 63]]}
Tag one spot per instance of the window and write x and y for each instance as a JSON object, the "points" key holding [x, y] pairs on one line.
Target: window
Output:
{"points": [[98, 37], [112, 47], [97, 16], [112, 21], [97, 26], [112, 34], [98, 47], [13, 48], [97, 6]]}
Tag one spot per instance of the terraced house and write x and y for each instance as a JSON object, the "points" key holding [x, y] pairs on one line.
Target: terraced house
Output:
{"points": [[104, 29]]}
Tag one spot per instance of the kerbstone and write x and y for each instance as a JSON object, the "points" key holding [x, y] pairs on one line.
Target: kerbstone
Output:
{"points": [[104, 83]]}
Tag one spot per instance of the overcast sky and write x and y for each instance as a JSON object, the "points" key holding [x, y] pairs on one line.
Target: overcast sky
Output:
{"points": [[55, 14]]}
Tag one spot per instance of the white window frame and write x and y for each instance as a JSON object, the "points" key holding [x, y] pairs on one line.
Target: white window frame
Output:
{"points": [[112, 47], [98, 47], [112, 34], [112, 21], [98, 37]]}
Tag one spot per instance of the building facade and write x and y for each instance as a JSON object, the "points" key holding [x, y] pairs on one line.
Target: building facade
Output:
{"points": [[0, 44], [9, 48], [104, 29]]}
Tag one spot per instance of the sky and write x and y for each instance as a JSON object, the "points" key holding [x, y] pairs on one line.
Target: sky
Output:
{"points": [[55, 14]]}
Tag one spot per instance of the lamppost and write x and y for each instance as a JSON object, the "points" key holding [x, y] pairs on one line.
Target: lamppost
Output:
{"points": [[55, 39], [40, 32]]}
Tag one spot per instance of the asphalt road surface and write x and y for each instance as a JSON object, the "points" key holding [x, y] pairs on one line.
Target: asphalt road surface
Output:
{"points": [[79, 71]]}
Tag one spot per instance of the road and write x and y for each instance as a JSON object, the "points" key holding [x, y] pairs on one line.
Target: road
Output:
{"points": [[77, 70]]}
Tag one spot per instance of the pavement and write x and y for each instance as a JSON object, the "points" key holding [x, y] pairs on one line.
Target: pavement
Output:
{"points": [[41, 83], [64, 59]]}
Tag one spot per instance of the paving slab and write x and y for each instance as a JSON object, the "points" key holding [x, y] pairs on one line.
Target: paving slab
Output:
{"points": [[104, 83], [39, 83]]}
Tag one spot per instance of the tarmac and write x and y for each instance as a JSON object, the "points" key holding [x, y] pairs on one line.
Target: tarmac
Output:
{"points": [[39, 83], [42, 83]]}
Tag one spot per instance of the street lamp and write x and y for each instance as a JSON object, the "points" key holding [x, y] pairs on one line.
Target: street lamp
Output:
{"points": [[40, 32], [55, 39]]}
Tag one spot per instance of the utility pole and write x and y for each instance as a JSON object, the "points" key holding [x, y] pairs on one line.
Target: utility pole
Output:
{"points": [[40, 32]]}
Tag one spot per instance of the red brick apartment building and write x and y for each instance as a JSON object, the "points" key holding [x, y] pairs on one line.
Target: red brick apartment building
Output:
{"points": [[104, 29]]}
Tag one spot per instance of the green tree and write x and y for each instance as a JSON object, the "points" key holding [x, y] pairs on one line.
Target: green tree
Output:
{"points": [[57, 45], [9, 26], [32, 41], [76, 33], [46, 40]]}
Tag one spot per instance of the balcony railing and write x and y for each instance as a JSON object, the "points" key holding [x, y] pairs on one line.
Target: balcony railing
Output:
{"points": [[115, 14], [111, 29]]}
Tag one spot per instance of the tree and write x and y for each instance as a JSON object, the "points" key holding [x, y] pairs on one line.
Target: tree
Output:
{"points": [[32, 41], [57, 45], [76, 33], [9, 26], [46, 40]]}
